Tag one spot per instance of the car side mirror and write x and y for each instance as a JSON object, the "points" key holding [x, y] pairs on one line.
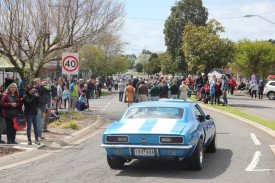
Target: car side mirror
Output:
{"points": [[201, 118], [207, 117]]}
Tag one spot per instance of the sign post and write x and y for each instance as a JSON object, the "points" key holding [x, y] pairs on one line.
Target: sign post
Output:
{"points": [[70, 65]]}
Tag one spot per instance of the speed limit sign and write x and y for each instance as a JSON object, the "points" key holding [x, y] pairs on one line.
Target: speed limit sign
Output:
{"points": [[70, 63]]}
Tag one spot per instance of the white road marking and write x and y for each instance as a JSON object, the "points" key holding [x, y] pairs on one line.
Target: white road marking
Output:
{"points": [[254, 161], [255, 139]]}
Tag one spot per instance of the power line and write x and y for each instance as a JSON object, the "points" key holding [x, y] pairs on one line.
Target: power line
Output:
{"points": [[158, 19]]}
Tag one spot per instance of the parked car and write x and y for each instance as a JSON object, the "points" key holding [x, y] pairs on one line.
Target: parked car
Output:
{"points": [[168, 129], [269, 90]]}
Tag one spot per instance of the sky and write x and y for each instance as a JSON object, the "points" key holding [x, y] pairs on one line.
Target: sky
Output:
{"points": [[145, 19]]}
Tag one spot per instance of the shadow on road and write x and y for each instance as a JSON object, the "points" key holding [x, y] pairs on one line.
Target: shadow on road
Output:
{"points": [[215, 164]]}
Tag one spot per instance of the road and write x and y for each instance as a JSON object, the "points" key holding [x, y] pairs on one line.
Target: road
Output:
{"points": [[86, 162], [259, 108]]}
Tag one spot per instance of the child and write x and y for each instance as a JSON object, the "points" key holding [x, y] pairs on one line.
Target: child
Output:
{"points": [[45, 94], [65, 95]]}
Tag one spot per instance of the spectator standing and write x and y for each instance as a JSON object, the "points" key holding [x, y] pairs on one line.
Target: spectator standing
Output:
{"points": [[59, 95], [190, 83], [121, 88], [42, 101], [184, 89], [30, 101], [91, 86], [54, 89], [232, 84], [261, 89], [212, 91], [129, 92], [174, 89], [207, 92], [218, 91], [254, 89], [1, 141], [163, 93], [213, 79], [66, 96], [98, 87], [86, 91], [249, 87], [224, 89], [11, 106], [75, 94], [154, 92], [142, 92], [199, 85]]}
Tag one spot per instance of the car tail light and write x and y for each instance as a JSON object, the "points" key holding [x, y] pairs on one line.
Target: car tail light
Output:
{"points": [[265, 86], [116, 139], [171, 140]]}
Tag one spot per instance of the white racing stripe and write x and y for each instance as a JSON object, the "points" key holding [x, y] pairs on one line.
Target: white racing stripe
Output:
{"points": [[131, 126], [164, 125], [255, 139], [254, 161]]}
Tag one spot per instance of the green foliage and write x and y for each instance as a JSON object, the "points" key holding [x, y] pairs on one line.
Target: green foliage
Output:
{"points": [[204, 49], [183, 12], [132, 59], [143, 59], [105, 92], [106, 57], [54, 124], [139, 67], [154, 65], [72, 125], [255, 57]]}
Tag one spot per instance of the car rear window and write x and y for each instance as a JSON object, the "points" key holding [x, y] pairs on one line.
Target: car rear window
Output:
{"points": [[154, 113]]}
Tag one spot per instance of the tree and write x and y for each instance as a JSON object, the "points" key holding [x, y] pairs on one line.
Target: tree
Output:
{"points": [[154, 65], [132, 59], [255, 57], [204, 49], [139, 67], [35, 32], [183, 12]]}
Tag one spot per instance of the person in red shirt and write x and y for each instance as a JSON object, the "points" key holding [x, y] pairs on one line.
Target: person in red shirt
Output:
{"points": [[232, 84]]}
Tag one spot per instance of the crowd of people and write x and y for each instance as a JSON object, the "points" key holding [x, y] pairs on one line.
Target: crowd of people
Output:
{"points": [[181, 88], [42, 99]]}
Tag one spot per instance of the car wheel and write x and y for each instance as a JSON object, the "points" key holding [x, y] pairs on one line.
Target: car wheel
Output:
{"points": [[271, 95], [194, 162], [115, 162], [212, 147]]}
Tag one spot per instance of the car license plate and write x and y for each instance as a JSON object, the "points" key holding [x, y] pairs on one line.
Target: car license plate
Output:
{"points": [[144, 152]]}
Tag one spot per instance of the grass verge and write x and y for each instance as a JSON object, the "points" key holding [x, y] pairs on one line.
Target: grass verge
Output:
{"points": [[266, 123]]}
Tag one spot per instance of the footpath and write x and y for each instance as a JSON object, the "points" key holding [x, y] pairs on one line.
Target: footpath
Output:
{"points": [[54, 141]]}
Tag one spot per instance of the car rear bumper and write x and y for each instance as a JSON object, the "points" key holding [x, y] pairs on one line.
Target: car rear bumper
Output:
{"points": [[186, 147]]}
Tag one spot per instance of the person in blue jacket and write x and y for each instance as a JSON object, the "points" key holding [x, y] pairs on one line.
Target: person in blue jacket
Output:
{"points": [[212, 91]]}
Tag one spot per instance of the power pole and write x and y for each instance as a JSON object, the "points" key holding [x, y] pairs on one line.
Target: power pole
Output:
{"points": [[144, 62]]}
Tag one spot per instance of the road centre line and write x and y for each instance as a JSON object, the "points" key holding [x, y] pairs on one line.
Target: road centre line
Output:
{"points": [[255, 139]]}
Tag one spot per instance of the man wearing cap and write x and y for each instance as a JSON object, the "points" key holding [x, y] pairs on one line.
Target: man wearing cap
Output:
{"points": [[75, 94]]}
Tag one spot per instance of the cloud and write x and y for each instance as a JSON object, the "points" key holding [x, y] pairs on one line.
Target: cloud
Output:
{"points": [[139, 35]]}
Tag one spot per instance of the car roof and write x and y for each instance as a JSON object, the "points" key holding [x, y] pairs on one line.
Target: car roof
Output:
{"points": [[165, 103]]}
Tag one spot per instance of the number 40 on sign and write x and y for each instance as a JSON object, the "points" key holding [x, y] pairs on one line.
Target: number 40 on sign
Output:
{"points": [[70, 63]]}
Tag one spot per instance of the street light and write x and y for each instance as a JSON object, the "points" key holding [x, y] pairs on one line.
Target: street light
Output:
{"points": [[248, 16]]}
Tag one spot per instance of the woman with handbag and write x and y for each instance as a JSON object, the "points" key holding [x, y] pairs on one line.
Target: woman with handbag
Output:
{"points": [[30, 101], [11, 106]]}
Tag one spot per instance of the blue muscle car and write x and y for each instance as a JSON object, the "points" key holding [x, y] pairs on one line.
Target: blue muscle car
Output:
{"points": [[168, 129]]}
